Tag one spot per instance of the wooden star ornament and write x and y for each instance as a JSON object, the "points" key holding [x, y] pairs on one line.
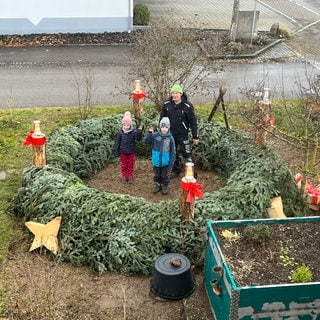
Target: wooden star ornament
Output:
{"points": [[45, 234]]}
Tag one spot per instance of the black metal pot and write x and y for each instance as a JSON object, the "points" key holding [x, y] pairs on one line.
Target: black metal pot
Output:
{"points": [[172, 277]]}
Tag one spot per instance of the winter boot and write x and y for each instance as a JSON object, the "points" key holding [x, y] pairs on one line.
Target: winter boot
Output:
{"points": [[156, 187], [164, 189]]}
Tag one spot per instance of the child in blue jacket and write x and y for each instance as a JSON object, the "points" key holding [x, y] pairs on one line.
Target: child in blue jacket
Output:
{"points": [[163, 154]]}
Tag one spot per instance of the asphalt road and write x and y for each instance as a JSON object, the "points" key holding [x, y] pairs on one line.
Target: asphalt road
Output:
{"points": [[45, 76]]}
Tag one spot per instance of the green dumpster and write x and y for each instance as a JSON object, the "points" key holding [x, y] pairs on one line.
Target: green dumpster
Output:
{"points": [[229, 301]]}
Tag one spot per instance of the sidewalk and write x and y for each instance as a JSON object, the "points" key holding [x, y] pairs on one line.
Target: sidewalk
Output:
{"points": [[293, 16], [216, 14]]}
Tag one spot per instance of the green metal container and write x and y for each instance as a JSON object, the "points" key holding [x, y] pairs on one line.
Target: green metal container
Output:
{"points": [[279, 301]]}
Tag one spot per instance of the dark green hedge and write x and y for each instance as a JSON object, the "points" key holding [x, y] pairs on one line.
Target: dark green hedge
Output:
{"points": [[141, 14]]}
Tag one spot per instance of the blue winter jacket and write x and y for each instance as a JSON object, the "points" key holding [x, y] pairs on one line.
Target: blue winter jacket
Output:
{"points": [[163, 149]]}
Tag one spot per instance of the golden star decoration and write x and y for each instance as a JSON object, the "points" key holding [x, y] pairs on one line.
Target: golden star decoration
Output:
{"points": [[45, 234]]}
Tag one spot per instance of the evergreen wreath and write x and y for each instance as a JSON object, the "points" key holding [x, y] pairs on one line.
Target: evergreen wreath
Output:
{"points": [[126, 234]]}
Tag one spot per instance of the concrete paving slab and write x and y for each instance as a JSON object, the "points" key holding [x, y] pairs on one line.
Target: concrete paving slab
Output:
{"points": [[217, 14], [300, 18]]}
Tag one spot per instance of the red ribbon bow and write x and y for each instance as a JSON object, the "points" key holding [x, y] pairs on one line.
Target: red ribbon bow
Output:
{"points": [[28, 139], [314, 194], [194, 190], [139, 94]]}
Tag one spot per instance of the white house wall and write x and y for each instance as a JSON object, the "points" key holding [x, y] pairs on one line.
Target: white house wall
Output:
{"points": [[54, 16]]}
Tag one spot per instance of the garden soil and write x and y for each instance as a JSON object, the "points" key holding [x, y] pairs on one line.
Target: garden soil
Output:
{"points": [[273, 260]]}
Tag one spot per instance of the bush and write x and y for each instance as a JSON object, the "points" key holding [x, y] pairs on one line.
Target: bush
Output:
{"points": [[301, 274], [141, 14], [284, 34], [258, 233]]}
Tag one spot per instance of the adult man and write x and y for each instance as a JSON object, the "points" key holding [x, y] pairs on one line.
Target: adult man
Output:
{"points": [[182, 118]]}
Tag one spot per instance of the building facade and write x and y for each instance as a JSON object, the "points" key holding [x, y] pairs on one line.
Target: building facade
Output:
{"points": [[65, 16]]}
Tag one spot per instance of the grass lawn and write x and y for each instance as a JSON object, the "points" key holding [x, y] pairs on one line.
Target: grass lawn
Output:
{"points": [[15, 125]]}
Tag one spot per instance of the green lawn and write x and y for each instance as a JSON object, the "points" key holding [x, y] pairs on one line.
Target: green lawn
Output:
{"points": [[15, 124]]}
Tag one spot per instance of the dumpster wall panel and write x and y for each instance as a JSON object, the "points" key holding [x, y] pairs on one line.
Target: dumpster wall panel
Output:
{"points": [[278, 301]]}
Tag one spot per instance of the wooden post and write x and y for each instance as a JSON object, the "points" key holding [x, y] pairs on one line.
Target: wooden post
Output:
{"points": [[186, 208], [138, 107], [262, 123], [190, 189], [39, 150], [38, 141], [222, 91]]}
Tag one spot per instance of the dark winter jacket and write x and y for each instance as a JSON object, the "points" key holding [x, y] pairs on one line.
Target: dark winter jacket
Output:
{"points": [[182, 118], [126, 141], [163, 148]]}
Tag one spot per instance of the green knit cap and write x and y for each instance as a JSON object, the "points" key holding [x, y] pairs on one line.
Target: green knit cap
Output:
{"points": [[176, 88]]}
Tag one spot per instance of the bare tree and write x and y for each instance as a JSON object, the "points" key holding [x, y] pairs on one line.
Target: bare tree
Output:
{"points": [[167, 53]]}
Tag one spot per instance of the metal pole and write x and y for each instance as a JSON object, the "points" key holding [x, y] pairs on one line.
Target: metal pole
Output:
{"points": [[130, 16]]}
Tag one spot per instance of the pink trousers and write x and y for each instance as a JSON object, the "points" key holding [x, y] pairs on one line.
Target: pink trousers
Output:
{"points": [[127, 162]]}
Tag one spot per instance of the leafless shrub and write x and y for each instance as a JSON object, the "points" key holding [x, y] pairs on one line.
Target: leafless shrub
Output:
{"points": [[83, 84], [167, 53], [297, 121]]}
